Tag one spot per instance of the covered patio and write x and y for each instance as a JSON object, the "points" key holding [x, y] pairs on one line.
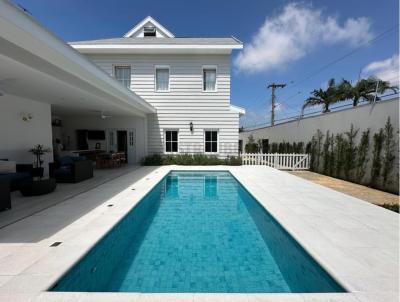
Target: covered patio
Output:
{"points": [[41, 78]]}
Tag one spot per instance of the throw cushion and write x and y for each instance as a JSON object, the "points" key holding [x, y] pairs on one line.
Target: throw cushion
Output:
{"points": [[78, 158], [65, 161], [7, 166]]}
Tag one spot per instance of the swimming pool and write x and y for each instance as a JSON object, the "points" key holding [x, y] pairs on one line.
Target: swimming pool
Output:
{"points": [[198, 232]]}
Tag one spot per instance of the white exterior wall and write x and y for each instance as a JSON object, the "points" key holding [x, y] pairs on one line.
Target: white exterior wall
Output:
{"points": [[362, 117], [185, 102], [18, 136], [72, 123]]}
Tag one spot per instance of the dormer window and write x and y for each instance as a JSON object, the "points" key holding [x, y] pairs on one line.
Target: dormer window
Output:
{"points": [[149, 31], [149, 27]]}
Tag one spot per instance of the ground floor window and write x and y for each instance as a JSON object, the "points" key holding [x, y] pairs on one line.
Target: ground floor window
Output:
{"points": [[171, 141], [211, 141]]}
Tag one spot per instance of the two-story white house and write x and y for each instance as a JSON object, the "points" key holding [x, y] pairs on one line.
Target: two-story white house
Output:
{"points": [[144, 93], [187, 81]]}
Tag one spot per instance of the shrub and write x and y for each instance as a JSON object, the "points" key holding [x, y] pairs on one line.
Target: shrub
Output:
{"points": [[376, 157], [318, 150], [340, 147], [274, 148], [152, 160], [298, 147], [251, 146], [362, 156], [391, 207], [350, 152], [332, 155], [233, 161], [326, 155], [312, 149], [190, 159], [388, 151]]}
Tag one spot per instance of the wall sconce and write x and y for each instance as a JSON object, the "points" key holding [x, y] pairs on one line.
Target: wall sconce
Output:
{"points": [[191, 127], [26, 117]]}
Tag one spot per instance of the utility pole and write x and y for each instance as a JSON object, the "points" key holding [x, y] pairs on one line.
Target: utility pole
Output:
{"points": [[274, 86]]}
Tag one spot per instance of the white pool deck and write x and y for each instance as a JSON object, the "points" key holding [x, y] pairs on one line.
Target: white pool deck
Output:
{"points": [[356, 242]]}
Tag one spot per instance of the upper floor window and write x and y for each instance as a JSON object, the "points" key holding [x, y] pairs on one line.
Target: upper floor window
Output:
{"points": [[209, 79], [211, 141], [162, 79], [123, 75], [171, 141]]}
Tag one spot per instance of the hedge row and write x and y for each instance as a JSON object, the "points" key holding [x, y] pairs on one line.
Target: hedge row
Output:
{"points": [[190, 160], [348, 155]]}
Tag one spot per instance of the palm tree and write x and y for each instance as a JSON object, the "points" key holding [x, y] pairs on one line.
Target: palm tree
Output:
{"points": [[333, 94], [366, 89]]}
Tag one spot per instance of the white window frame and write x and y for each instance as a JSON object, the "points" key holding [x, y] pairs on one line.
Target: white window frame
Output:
{"points": [[122, 65], [204, 139], [216, 78], [155, 77], [165, 141]]}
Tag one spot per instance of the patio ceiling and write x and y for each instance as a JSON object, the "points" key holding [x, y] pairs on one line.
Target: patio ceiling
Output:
{"points": [[35, 64]]}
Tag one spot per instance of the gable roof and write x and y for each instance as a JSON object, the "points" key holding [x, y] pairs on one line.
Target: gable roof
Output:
{"points": [[161, 41], [158, 45], [142, 23], [134, 42]]}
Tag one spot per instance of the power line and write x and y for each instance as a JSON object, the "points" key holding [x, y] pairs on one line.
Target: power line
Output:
{"points": [[322, 68], [316, 112]]}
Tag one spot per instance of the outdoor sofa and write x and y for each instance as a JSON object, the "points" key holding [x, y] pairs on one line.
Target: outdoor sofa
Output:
{"points": [[71, 169], [11, 180]]}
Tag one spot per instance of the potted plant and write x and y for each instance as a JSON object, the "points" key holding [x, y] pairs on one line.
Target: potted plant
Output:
{"points": [[38, 151]]}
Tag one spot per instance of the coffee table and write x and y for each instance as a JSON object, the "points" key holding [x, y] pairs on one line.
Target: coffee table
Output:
{"points": [[39, 186]]}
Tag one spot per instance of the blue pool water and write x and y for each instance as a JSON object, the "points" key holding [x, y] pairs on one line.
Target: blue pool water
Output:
{"points": [[198, 232]]}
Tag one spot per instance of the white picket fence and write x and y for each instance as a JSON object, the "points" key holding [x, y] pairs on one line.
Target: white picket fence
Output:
{"points": [[277, 160]]}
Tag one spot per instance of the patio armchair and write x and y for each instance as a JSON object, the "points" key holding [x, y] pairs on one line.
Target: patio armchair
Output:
{"points": [[71, 169], [11, 181], [23, 173], [5, 198]]}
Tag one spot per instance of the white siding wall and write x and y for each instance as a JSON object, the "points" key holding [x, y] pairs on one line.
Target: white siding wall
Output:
{"points": [[185, 102]]}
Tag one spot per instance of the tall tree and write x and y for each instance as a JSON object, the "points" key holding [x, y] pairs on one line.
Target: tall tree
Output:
{"points": [[366, 89], [326, 97]]}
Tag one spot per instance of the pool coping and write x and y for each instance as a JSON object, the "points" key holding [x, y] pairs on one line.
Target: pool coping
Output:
{"points": [[32, 283]]}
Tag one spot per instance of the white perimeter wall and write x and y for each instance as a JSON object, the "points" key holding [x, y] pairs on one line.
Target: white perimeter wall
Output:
{"points": [[72, 123], [365, 116], [17, 136], [372, 116]]}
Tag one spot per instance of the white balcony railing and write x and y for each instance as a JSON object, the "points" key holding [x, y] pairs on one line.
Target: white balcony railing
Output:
{"points": [[277, 160]]}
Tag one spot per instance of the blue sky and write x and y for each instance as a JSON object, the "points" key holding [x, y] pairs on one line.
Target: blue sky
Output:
{"points": [[285, 41]]}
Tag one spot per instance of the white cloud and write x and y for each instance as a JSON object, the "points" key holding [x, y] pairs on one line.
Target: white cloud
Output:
{"points": [[252, 118], [387, 70], [294, 33]]}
